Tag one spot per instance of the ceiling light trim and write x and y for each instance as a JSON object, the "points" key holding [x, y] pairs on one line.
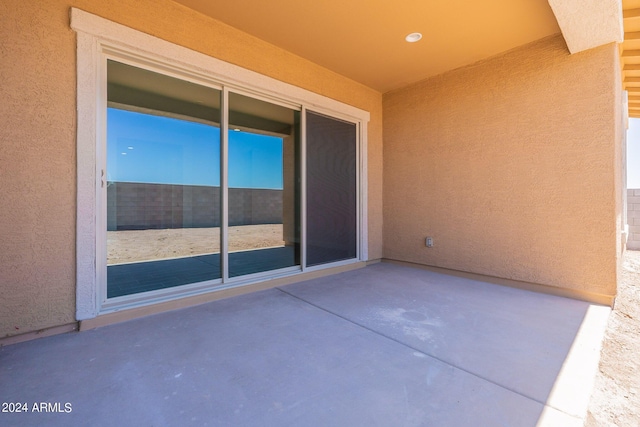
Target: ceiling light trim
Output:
{"points": [[413, 37]]}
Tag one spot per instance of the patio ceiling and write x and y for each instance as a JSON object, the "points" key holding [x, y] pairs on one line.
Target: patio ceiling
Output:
{"points": [[365, 40], [630, 55]]}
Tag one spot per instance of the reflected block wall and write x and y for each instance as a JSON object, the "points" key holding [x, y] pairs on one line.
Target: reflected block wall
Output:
{"points": [[140, 206], [633, 219]]}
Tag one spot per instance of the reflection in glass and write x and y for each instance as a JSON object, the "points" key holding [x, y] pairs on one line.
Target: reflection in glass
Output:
{"points": [[163, 181], [264, 229]]}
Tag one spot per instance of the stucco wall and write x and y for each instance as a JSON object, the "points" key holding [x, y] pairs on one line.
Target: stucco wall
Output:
{"points": [[511, 165], [37, 130], [633, 219]]}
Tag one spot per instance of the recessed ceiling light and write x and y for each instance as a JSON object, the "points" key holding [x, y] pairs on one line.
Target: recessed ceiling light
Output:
{"points": [[129, 148], [413, 37]]}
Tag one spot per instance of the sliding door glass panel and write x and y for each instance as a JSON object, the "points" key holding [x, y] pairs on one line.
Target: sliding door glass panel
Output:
{"points": [[331, 190], [163, 181], [264, 217]]}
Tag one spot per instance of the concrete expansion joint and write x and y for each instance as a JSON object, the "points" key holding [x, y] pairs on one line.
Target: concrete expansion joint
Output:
{"points": [[417, 350]]}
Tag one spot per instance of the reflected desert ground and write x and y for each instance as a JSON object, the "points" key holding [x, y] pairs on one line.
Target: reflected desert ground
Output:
{"points": [[146, 245]]}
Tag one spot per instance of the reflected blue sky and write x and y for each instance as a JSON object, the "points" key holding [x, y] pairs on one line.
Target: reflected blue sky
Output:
{"points": [[155, 149], [162, 150]]}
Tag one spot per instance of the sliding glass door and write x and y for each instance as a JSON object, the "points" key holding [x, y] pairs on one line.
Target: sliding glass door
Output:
{"points": [[264, 231], [163, 181], [204, 184]]}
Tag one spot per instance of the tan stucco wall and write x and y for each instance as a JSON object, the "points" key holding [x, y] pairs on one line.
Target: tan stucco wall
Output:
{"points": [[511, 165], [37, 130]]}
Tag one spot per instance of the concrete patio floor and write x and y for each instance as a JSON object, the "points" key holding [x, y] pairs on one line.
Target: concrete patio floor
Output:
{"points": [[386, 345]]}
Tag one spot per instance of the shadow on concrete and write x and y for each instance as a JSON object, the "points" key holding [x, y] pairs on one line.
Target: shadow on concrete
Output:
{"points": [[386, 345]]}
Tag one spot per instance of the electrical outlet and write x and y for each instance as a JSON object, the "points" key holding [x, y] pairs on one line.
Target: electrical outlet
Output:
{"points": [[429, 242]]}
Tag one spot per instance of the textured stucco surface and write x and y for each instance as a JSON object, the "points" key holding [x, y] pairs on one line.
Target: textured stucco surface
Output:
{"points": [[586, 24], [37, 129], [511, 165], [37, 169]]}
